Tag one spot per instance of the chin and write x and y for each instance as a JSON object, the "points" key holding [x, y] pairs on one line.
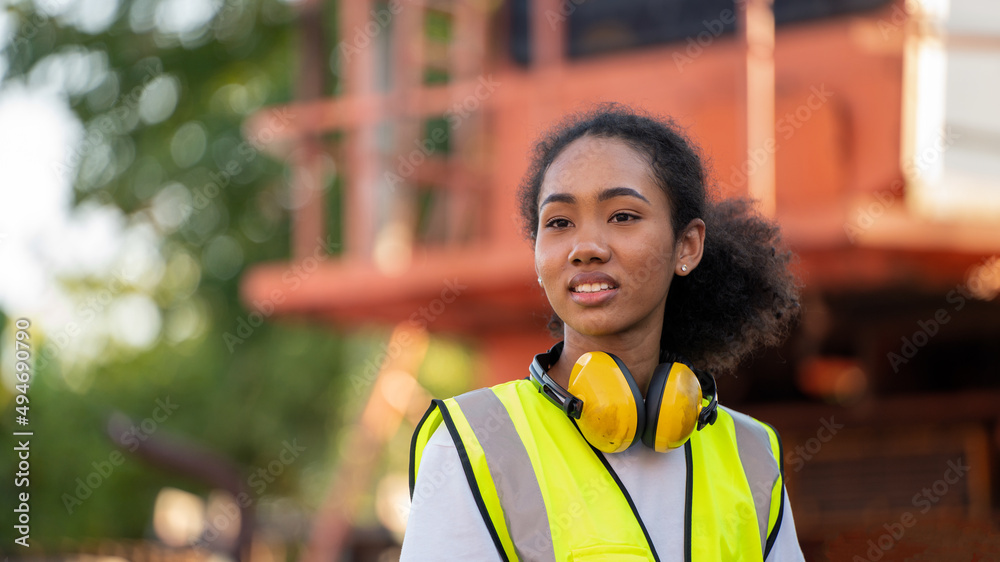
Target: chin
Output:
{"points": [[607, 323], [593, 328]]}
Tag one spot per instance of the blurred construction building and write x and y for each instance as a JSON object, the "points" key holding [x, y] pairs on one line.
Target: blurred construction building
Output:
{"points": [[867, 128]]}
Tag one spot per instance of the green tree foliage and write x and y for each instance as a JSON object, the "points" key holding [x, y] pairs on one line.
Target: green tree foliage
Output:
{"points": [[162, 106]]}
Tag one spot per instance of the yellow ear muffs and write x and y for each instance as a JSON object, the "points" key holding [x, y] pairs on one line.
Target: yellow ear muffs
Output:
{"points": [[673, 405], [613, 416], [609, 410]]}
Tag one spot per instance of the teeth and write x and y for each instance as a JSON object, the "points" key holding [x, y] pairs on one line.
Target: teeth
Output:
{"points": [[591, 287]]}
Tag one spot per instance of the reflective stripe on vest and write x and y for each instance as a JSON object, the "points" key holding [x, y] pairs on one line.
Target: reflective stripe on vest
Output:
{"points": [[546, 495], [754, 446], [513, 477]]}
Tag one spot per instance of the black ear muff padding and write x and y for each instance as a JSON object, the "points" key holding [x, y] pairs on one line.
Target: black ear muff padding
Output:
{"points": [[654, 397]]}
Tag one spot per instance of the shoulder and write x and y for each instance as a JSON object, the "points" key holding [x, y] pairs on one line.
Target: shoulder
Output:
{"points": [[441, 438], [444, 410], [746, 418], [439, 458], [739, 440], [749, 430], [503, 390], [511, 395], [442, 422]]}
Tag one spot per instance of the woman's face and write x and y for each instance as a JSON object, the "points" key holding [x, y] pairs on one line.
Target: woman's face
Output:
{"points": [[605, 249]]}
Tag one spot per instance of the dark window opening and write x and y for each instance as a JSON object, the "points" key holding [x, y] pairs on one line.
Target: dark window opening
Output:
{"points": [[603, 26]]}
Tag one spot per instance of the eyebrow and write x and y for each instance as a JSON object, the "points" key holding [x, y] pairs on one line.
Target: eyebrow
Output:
{"points": [[609, 193]]}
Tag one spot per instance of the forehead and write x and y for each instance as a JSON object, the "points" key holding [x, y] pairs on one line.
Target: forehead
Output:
{"points": [[594, 162]]}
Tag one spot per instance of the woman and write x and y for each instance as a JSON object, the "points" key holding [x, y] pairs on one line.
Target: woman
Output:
{"points": [[638, 264]]}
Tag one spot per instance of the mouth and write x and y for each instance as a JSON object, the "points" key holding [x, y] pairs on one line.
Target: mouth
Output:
{"points": [[592, 287]]}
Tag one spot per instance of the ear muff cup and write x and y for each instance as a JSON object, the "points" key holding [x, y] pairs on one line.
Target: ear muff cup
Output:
{"points": [[673, 403], [613, 416]]}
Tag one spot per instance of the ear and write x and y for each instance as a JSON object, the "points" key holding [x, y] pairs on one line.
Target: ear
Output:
{"points": [[690, 247]]}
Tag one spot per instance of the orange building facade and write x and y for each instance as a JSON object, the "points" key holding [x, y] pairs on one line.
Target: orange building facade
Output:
{"points": [[414, 162]]}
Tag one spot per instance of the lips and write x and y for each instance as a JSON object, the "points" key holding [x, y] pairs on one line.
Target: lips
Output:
{"points": [[592, 289]]}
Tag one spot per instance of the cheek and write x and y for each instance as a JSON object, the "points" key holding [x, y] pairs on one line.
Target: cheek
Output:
{"points": [[652, 272], [548, 258], [543, 266], [548, 272]]}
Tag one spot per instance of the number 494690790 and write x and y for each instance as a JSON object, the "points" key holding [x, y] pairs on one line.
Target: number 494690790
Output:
{"points": [[22, 368]]}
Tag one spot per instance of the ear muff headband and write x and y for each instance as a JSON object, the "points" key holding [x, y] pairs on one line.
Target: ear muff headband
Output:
{"points": [[710, 412], [617, 415], [571, 405]]}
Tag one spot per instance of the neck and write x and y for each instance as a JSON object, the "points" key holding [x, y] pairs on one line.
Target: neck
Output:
{"points": [[639, 350]]}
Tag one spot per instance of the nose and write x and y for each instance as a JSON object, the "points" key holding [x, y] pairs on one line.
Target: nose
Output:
{"points": [[589, 246]]}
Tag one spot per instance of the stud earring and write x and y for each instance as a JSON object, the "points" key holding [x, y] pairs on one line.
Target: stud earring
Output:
{"points": [[684, 267], [539, 281]]}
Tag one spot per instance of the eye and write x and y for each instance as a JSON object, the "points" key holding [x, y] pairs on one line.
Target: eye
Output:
{"points": [[623, 217], [557, 223]]}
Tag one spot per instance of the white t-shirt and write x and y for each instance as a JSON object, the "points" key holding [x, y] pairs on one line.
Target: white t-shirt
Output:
{"points": [[445, 523]]}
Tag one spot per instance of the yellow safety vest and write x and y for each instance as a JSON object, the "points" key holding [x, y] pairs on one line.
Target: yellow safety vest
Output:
{"points": [[546, 494]]}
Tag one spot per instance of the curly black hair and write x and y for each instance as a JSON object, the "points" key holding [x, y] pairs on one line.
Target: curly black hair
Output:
{"points": [[742, 295]]}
